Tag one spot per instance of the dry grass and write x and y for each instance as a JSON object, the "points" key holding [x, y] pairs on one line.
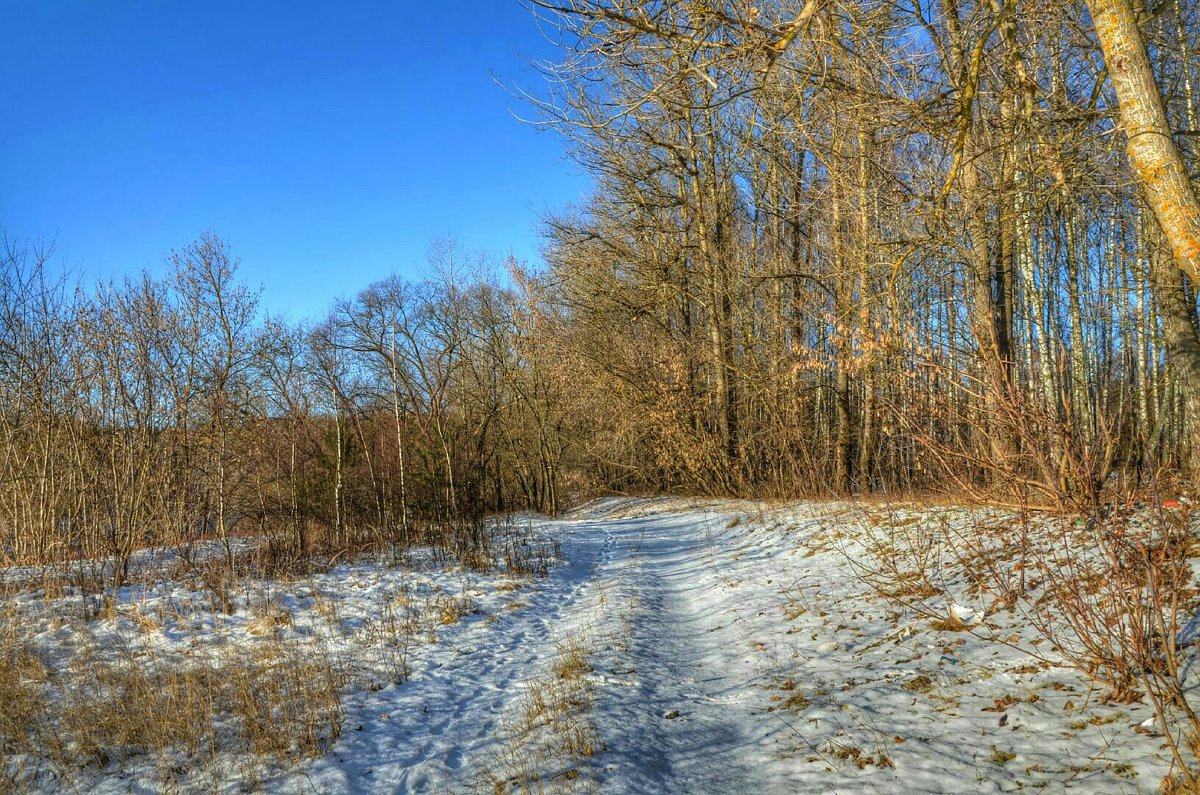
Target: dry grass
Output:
{"points": [[450, 610], [113, 711], [949, 624], [269, 618], [282, 700], [172, 693], [1001, 757], [571, 662], [525, 554], [550, 742], [1107, 593], [288, 704], [392, 633], [22, 680], [277, 702]]}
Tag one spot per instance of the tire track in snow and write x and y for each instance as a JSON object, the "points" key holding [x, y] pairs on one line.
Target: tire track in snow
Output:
{"points": [[664, 574]]}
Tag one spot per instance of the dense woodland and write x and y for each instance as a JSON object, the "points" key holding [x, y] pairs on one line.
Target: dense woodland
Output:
{"points": [[833, 248]]}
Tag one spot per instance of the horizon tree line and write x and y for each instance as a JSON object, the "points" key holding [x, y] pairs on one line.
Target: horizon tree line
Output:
{"points": [[832, 248]]}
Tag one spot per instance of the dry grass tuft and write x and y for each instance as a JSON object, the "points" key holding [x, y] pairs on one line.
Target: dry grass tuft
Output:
{"points": [[269, 618], [1001, 757], [451, 610], [571, 662], [919, 684], [280, 701], [949, 624], [549, 744]]}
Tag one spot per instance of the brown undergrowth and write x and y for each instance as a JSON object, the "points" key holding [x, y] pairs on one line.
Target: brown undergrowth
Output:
{"points": [[188, 716], [1110, 592]]}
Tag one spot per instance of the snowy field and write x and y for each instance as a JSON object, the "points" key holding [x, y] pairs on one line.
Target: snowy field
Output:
{"points": [[678, 646]]}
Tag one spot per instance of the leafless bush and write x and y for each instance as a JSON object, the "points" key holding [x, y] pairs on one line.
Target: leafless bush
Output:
{"points": [[1118, 601], [523, 551]]}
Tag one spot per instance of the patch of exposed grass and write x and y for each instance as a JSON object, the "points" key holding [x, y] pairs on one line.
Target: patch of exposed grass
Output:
{"points": [[919, 684], [949, 624], [1001, 757], [280, 701], [571, 661], [550, 742]]}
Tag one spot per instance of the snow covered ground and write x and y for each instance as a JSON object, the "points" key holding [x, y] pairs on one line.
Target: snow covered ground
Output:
{"points": [[727, 647]]}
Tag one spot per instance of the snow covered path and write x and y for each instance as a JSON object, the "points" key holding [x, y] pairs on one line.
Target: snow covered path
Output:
{"points": [[647, 593], [439, 729], [731, 650], [665, 577]]}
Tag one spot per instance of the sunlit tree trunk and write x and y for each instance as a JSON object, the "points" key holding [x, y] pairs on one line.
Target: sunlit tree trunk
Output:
{"points": [[1160, 170]]}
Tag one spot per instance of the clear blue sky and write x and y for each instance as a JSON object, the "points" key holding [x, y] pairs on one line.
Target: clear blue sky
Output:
{"points": [[329, 143]]}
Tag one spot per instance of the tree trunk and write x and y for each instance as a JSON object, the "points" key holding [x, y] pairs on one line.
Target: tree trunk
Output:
{"points": [[1160, 170]]}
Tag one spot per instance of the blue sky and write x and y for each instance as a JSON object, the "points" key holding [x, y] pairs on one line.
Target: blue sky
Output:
{"points": [[328, 143]]}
